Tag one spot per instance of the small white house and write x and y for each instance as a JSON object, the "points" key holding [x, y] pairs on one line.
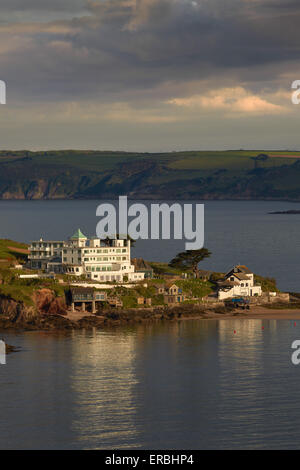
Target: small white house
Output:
{"points": [[238, 282]]}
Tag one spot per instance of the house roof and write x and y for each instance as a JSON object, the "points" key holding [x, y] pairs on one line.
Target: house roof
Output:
{"points": [[228, 284], [82, 290], [78, 234], [239, 269], [241, 277], [243, 269], [171, 284]]}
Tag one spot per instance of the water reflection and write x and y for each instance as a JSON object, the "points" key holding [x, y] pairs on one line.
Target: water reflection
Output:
{"points": [[179, 385]]}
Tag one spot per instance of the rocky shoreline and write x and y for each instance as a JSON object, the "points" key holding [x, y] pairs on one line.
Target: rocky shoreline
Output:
{"points": [[49, 313], [290, 212], [107, 318], [10, 349]]}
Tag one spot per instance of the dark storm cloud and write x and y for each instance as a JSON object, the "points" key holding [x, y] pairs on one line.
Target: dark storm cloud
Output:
{"points": [[125, 47], [40, 5]]}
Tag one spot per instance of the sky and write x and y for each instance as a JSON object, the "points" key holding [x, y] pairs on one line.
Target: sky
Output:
{"points": [[149, 75]]}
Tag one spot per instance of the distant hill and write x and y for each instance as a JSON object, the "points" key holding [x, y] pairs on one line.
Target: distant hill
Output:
{"points": [[71, 174]]}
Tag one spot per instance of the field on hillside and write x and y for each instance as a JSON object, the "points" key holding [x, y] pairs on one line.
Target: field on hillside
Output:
{"points": [[70, 174], [11, 250]]}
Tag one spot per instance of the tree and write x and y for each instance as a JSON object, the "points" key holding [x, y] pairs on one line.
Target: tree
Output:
{"points": [[189, 260], [262, 157]]}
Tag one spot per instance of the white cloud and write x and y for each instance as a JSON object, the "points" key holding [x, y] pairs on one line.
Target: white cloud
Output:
{"points": [[236, 100]]}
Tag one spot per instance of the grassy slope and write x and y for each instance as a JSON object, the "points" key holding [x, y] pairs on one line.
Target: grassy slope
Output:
{"points": [[10, 250], [92, 174]]}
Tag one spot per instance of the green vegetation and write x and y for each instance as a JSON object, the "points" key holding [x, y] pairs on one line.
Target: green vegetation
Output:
{"points": [[129, 296], [191, 288], [195, 287], [11, 250], [19, 293], [129, 301], [268, 284], [22, 290], [162, 268], [234, 174]]}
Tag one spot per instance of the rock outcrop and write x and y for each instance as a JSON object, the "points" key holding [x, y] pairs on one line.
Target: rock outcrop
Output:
{"points": [[47, 303], [47, 310]]}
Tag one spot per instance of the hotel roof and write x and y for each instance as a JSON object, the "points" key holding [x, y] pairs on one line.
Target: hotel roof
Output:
{"points": [[78, 234]]}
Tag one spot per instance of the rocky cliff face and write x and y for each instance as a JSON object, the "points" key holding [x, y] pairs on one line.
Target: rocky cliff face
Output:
{"points": [[17, 314], [47, 303]]}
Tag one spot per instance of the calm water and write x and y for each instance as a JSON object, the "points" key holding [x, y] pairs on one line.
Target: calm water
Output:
{"points": [[175, 385], [192, 384], [235, 232]]}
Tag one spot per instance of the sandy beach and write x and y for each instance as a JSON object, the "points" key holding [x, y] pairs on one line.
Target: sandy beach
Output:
{"points": [[259, 313], [256, 313]]}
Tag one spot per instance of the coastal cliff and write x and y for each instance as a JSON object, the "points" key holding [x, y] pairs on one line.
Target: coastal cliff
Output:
{"points": [[16, 314], [236, 175]]}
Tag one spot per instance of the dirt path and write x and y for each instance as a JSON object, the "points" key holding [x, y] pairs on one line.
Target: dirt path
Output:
{"points": [[23, 251], [284, 156], [75, 316]]}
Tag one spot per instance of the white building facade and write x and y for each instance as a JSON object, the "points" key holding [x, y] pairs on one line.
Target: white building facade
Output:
{"points": [[99, 260], [239, 282]]}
